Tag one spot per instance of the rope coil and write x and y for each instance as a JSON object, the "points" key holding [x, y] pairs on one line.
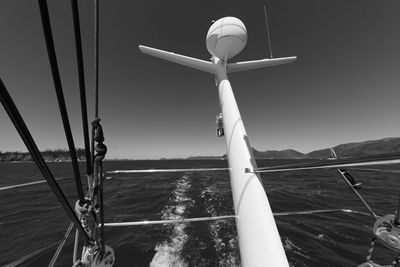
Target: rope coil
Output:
{"points": [[100, 148]]}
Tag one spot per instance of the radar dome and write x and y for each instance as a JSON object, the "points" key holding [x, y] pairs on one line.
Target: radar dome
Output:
{"points": [[226, 37]]}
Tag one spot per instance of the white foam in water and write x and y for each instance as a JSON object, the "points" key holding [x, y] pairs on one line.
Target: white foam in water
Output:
{"points": [[226, 257], [168, 253], [290, 246]]}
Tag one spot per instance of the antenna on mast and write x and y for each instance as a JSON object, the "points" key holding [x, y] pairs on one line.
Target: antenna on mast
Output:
{"points": [[267, 30]]}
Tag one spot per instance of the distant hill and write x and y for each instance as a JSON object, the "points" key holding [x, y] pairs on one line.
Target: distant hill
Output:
{"points": [[57, 155], [205, 157], [358, 149], [278, 154]]}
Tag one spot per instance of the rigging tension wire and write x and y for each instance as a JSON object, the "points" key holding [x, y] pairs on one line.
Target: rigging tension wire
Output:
{"points": [[59, 91], [44, 249], [352, 184], [61, 245], [81, 73], [342, 174], [267, 29], [31, 255], [23, 131]]}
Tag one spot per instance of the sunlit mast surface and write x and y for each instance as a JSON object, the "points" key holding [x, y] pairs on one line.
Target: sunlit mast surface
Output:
{"points": [[259, 240]]}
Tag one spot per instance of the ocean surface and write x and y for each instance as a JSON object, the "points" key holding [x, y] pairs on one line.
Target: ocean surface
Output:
{"points": [[31, 217]]}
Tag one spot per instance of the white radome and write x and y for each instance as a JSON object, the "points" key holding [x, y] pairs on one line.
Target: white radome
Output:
{"points": [[226, 38]]}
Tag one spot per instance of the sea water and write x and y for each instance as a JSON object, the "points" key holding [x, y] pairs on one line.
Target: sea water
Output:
{"points": [[31, 217]]}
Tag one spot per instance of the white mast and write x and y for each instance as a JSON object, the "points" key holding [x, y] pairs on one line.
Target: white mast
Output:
{"points": [[259, 240]]}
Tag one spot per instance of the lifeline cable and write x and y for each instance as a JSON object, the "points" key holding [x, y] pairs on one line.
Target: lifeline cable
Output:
{"points": [[387, 158], [23, 131], [28, 184], [224, 217], [44, 12]]}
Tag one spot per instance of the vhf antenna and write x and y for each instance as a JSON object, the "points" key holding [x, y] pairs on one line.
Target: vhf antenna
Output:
{"points": [[267, 30]]}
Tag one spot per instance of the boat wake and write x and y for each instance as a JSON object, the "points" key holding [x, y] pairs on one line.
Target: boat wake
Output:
{"points": [[169, 253], [295, 249], [223, 236]]}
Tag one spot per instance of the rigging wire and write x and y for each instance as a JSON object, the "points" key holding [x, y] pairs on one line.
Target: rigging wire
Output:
{"points": [[44, 12], [172, 221], [85, 125], [267, 30], [97, 130], [397, 217], [101, 207], [76, 244], [81, 73], [23, 131], [96, 85], [169, 170], [225, 217], [31, 255], [61, 245], [357, 194]]}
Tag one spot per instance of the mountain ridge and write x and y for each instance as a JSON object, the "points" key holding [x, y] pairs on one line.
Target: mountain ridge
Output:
{"points": [[56, 155], [352, 149]]}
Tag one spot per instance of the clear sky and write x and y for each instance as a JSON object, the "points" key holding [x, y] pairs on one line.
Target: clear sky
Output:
{"points": [[343, 87]]}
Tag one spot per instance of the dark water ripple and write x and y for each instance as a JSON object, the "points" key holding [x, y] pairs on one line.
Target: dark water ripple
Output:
{"points": [[31, 217]]}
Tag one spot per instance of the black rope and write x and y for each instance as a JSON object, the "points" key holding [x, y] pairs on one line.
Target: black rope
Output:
{"points": [[23, 131], [371, 249], [96, 83], [81, 73], [60, 96], [96, 57], [97, 130], [397, 218], [101, 206], [101, 150]]}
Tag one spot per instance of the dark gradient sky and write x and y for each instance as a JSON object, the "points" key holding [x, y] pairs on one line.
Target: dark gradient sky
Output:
{"points": [[343, 87]]}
